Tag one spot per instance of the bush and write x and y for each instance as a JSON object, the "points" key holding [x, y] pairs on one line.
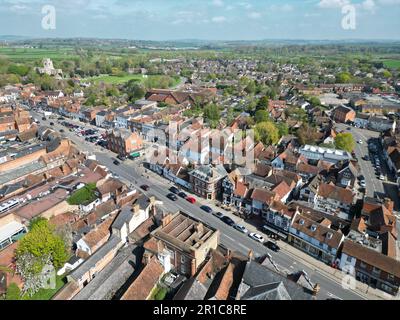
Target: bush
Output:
{"points": [[13, 292]]}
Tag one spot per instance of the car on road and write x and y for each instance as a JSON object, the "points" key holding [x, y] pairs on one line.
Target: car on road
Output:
{"points": [[360, 142], [61, 130], [44, 119], [382, 177], [116, 162], [191, 200], [218, 215], [228, 221], [172, 197], [349, 128], [174, 190], [122, 158], [256, 237], [363, 183], [206, 209], [366, 158], [182, 195], [241, 228], [52, 123], [272, 246], [144, 187]]}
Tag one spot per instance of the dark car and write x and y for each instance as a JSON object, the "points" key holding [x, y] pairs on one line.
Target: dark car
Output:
{"points": [[52, 123], [44, 119], [116, 162], [174, 190], [144, 187], [122, 158], [273, 246], [61, 130], [228, 221], [172, 197], [182, 195], [206, 209]]}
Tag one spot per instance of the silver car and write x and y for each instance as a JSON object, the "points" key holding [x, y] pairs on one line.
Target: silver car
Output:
{"points": [[241, 228]]}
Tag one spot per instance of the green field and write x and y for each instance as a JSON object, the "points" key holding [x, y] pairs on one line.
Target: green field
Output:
{"points": [[392, 64], [47, 294], [116, 79], [26, 54]]}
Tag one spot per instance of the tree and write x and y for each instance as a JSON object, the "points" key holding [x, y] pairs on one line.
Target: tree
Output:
{"points": [[314, 101], [261, 116], [343, 77], [345, 141], [42, 241], [307, 134], [266, 132], [212, 114], [282, 128], [262, 103]]}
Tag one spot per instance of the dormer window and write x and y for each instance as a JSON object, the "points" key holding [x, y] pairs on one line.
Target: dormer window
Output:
{"points": [[301, 222], [329, 235], [313, 228]]}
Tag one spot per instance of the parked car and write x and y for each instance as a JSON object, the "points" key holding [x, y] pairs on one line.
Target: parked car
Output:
{"points": [[256, 237], [360, 141], [272, 245], [172, 197], [228, 221], [52, 123], [144, 187], [382, 177], [61, 130], [241, 228], [116, 162], [191, 199], [122, 158], [174, 190], [182, 195], [206, 209], [218, 215]]}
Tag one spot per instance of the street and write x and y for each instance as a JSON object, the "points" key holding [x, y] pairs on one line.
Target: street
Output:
{"points": [[375, 187], [133, 174]]}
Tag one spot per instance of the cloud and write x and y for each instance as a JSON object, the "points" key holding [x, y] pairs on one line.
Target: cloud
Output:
{"points": [[218, 3], [389, 2], [219, 19], [331, 4], [369, 5], [254, 15]]}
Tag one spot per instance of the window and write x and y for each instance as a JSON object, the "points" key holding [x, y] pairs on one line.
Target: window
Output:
{"points": [[363, 265], [349, 259], [376, 271], [313, 228], [390, 277], [301, 221]]}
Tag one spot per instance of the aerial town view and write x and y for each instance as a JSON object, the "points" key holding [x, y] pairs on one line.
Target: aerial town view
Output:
{"points": [[206, 150]]}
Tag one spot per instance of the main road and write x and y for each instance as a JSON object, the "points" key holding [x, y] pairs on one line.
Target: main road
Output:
{"points": [[133, 174]]}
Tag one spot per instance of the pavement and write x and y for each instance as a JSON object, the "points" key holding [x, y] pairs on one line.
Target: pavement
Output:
{"points": [[288, 259]]}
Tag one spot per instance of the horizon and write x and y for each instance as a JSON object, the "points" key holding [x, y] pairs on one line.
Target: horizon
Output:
{"points": [[209, 20]]}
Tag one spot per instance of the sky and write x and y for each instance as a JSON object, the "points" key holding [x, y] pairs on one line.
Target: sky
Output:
{"points": [[204, 19]]}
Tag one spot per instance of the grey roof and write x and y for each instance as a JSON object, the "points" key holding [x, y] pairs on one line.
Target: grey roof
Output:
{"points": [[6, 190], [272, 291], [91, 262], [123, 217], [108, 281], [20, 172], [259, 278]]}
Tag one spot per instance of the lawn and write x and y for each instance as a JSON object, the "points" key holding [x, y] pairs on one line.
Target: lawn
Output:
{"points": [[47, 294], [84, 195], [392, 64], [117, 80], [109, 79]]}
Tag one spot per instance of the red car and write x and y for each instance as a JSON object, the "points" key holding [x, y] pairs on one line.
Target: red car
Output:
{"points": [[191, 199]]}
